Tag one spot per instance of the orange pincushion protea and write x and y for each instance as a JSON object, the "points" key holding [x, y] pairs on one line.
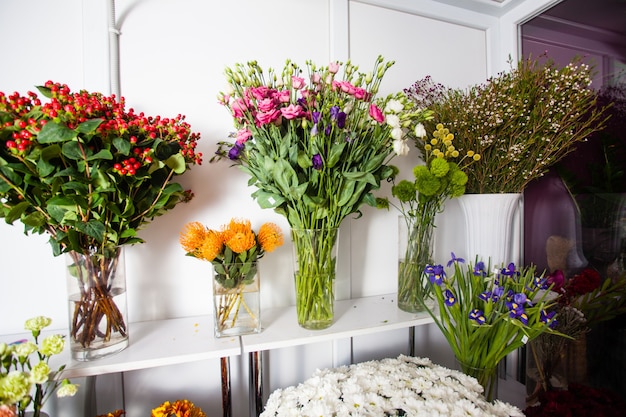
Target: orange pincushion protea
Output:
{"points": [[192, 236], [270, 237]]}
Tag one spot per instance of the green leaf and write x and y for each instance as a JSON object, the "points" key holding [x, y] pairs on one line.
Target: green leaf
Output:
{"points": [[16, 212], [176, 163], [361, 176], [335, 154], [73, 150], [50, 152], [79, 187], [45, 168], [304, 161], [102, 154], [346, 193], [268, 200], [59, 207], [34, 220], [122, 145], [92, 228], [90, 126], [55, 132]]}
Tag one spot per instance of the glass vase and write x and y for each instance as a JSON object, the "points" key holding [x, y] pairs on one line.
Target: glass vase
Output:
{"points": [[315, 267], [236, 298], [415, 238], [487, 377], [96, 284]]}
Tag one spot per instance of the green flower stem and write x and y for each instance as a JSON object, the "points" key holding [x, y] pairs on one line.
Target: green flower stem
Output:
{"points": [[315, 276], [413, 288]]}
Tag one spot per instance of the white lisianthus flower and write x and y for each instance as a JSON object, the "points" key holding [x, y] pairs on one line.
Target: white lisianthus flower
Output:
{"points": [[36, 324], [420, 131], [397, 133], [52, 345], [392, 120], [400, 147], [40, 373], [394, 106]]}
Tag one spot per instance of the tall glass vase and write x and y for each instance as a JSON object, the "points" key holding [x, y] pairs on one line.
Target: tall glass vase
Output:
{"points": [[236, 298], [96, 284], [315, 267], [487, 377], [415, 249]]}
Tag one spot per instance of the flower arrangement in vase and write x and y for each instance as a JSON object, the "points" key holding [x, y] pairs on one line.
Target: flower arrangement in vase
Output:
{"points": [[485, 315], [89, 173], [315, 146], [521, 121], [234, 251], [19, 376], [439, 178], [580, 303]]}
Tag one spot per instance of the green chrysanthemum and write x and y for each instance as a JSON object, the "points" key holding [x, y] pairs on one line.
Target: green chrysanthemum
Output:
{"points": [[426, 183], [439, 167], [404, 191]]}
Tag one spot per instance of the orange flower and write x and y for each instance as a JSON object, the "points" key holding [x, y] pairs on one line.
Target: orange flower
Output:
{"points": [[180, 408], [192, 237], [7, 411], [116, 413], [270, 237], [238, 235], [212, 245]]}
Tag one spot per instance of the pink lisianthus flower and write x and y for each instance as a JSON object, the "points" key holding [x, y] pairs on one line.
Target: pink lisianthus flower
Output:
{"points": [[238, 107], [265, 118], [292, 111], [260, 92], [243, 135], [298, 82], [333, 67], [376, 113], [316, 78], [282, 96], [266, 105], [361, 94]]}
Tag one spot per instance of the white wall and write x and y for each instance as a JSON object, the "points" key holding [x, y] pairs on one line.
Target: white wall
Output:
{"points": [[173, 54]]}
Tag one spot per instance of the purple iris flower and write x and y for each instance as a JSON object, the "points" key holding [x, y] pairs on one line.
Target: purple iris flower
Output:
{"points": [[548, 318], [485, 296], [317, 161], [520, 298], [479, 269], [450, 298], [516, 311], [454, 259], [435, 273], [497, 293], [478, 316], [509, 270]]}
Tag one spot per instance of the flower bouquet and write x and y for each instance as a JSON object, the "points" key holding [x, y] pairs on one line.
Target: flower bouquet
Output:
{"points": [[89, 173], [234, 251], [580, 302], [441, 177], [315, 147], [521, 121], [18, 376], [485, 315], [405, 386]]}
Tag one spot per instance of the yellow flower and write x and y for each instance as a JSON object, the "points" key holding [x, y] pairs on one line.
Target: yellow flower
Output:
{"points": [[212, 245], [192, 237], [116, 413], [270, 237], [180, 408]]}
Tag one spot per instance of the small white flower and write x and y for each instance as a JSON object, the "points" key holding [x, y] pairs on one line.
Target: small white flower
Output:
{"points": [[400, 147], [420, 131], [393, 120], [394, 106]]}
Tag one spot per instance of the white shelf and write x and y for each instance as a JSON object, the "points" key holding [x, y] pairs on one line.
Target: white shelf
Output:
{"points": [[152, 344], [353, 317]]}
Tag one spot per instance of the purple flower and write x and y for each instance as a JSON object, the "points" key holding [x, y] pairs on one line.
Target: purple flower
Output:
{"points": [[509, 270], [314, 130], [316, 117], [328, 130], [454, 259], [235, 151], [478, 316], [548, 318], [334, 112], [450, 298], [435, 273], [479, 269], [317, 161], [341, 120]]}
